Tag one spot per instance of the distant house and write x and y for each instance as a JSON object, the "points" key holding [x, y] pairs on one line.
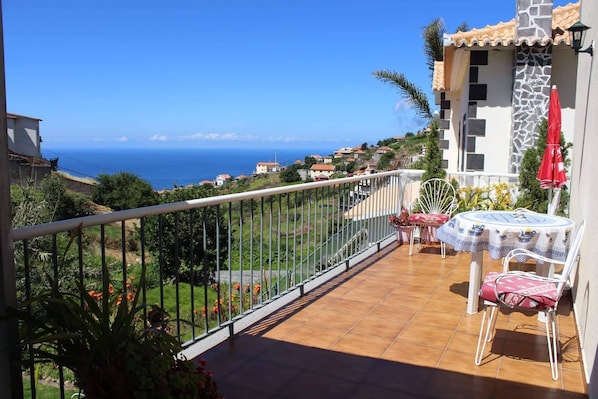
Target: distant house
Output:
{"points": [[23, 135], [321, 172], [344, 152], [494, 85], [267, 167], [222, 179]]}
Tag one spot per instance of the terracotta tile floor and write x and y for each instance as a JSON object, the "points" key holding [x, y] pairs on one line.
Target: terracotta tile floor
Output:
{"points": [[395, 326]]}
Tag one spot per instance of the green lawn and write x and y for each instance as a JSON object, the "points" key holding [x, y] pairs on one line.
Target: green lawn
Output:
{"points": [[44, 391]]}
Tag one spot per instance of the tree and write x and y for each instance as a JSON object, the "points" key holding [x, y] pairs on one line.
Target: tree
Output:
{"points": [[309, 162], [123, 190], [531, 195], [433, 35], [186, 242], [385, 159], [433, 157], [290, 174]]}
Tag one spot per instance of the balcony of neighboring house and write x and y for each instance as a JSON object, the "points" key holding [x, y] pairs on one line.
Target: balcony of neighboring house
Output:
{"points": [[302, 292]]}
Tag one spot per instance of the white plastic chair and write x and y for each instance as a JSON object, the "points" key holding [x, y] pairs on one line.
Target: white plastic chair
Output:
{"points": [[437, 201], [524, 292]]}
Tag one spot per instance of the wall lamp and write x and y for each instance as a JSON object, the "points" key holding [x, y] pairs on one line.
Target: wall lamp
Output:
{"points": [[576, 33]]}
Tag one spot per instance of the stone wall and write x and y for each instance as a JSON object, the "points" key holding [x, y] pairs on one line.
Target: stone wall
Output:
{"points": [[532, 76]]}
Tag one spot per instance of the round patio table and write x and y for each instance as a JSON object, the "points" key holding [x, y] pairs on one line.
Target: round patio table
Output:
{"points": [[498, 232]]}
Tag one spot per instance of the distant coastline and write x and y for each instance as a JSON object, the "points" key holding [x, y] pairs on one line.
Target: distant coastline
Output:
{"points": [[165, 168]]}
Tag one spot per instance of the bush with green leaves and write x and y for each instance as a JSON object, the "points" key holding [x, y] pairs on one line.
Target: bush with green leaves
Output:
{"points": [[123, 190], [63, 204], [198, 233]]}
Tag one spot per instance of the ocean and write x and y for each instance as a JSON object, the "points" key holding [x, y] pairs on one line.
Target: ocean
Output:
{"points": [[165, 168]]}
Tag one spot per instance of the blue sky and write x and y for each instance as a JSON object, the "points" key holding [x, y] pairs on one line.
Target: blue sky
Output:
{"points": [[226, 73]]}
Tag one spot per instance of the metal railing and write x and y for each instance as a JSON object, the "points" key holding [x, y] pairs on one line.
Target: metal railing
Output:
{"points": [[219, 264]]}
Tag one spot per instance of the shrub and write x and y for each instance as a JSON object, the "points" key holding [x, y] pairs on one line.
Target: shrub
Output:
{"points": [[123, 190]]}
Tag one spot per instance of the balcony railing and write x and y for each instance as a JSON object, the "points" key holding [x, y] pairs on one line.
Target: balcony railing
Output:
{"points": [[219, 264]]}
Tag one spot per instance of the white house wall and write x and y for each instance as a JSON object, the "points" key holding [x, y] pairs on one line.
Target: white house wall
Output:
{"points": [[23, 136], [564, 76], [496, 111], [584, 192]]}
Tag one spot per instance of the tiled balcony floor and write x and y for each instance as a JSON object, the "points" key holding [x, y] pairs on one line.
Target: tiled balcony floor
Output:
{"points": [[395, 327]]}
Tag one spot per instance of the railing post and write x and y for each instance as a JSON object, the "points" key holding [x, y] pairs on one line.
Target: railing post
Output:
{"points": [[10, 370]]}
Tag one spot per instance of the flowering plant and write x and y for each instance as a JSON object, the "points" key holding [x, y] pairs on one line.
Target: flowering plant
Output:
{"points": [[115, 346], [401, 220]]}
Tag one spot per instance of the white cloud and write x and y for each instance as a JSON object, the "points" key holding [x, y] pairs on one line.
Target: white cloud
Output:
{"points": [[402, 105], [157, 137], [123, 139]]}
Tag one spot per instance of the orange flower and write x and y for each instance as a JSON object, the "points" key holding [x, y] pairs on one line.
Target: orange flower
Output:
{"points": [[203, 311], [111, 289], [237, 286], [130, 296], [131, 277], [256, 288]]}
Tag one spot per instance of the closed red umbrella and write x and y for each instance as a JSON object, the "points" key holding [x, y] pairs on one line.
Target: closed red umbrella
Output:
{"points": [[552, 169]]}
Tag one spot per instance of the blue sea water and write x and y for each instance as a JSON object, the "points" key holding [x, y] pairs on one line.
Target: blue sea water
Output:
{"points": [[165, 168]]}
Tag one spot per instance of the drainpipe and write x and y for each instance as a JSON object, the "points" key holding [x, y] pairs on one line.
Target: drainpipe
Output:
{"points": [[10, 369]]}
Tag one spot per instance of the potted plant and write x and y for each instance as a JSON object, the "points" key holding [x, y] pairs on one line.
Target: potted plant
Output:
{"points": [[115, 346], [402, 225]]}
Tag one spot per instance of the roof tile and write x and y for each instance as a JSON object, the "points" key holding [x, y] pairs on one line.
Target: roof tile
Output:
{"points": [[503, 33]]}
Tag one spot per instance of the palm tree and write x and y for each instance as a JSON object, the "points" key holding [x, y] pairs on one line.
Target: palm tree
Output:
{"points": [[432, 34]]}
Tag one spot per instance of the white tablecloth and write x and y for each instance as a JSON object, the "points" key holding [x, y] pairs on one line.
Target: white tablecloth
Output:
{"points": [[498, 232]]}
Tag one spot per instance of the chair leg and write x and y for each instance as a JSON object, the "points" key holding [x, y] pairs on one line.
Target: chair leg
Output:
{"points": [[411, 239], [490, 323], [442, 249], [551, 333]]}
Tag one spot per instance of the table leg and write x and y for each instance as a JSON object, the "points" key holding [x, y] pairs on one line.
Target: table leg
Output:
{"points": [[475, 281]]}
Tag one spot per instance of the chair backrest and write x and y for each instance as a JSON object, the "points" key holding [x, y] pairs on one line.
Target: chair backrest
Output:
{"points": [[437, 196], [571, 260]]}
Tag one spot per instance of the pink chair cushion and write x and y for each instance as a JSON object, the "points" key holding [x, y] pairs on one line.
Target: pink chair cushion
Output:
{"points": [[518, 291], [428, 218]]}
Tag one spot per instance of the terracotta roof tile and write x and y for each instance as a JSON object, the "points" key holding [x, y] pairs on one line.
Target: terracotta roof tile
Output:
{"points": [[503, 33], [438, 76]]}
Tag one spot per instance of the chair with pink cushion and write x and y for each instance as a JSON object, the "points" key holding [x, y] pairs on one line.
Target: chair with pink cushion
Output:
{"points": [[437, 201], [522, 291]]}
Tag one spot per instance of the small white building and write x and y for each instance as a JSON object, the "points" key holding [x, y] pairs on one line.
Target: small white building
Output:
{"points": [[23, 135], [222, 179], [267, 167]]}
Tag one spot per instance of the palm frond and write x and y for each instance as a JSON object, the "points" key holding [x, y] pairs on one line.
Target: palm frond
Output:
{"points": [[416, 98], [433, 42], [463, 27]]}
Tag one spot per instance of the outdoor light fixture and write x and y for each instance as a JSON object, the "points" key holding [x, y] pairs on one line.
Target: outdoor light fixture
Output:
{"points": [[576, 33]]}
